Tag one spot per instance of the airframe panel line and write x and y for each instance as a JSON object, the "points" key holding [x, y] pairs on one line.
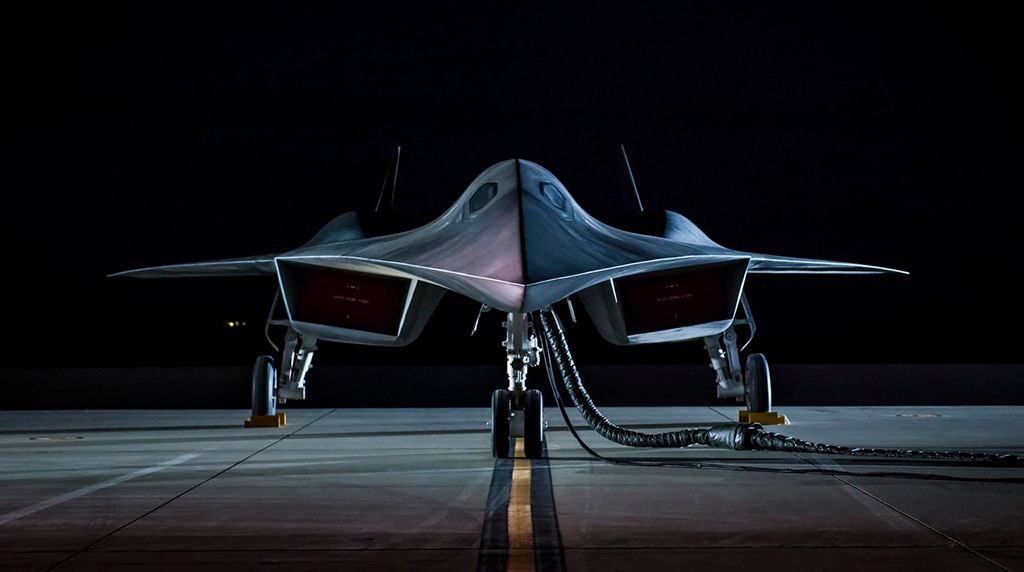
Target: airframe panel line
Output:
{"points": [[87, 490]]}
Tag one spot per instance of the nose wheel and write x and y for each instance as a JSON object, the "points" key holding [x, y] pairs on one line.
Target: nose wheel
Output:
{"points": [[517, 414], [533, 424], [500, 403]]}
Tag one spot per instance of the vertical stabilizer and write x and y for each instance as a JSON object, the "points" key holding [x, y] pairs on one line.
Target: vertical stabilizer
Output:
{"points": [[634, 193], [386, 199]]}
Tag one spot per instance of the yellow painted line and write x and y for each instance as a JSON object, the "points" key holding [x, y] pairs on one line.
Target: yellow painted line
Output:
{"points": [[520, 515]]}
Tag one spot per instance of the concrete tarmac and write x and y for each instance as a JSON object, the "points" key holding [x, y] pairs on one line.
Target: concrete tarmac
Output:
{"points": [[383, 489]]}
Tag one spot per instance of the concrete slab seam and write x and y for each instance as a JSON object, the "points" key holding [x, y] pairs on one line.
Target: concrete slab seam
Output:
{"points": [[87, 547], [906, 514], [86, 490]]}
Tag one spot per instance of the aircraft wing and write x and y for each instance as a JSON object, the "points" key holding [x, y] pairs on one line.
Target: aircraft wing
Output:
{"points": [[343, 228], [243, 266], [680, 229], [769, 264]]}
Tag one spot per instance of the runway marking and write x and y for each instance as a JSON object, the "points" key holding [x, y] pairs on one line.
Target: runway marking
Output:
{"points": [[547, 538], [494, 538], [43, 505], [520, 515], [520, 526]]}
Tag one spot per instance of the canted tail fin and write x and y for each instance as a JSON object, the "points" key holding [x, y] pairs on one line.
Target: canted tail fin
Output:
{"points": [[386, 199], [633, 194]]}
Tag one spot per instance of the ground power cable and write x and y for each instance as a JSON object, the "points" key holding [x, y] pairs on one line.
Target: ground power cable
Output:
{"points": [[734, 436]]}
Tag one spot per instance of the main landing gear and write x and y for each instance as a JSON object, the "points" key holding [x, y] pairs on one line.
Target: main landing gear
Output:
{"points": [[264, 395], [272, 385], [751, 384], [518, 412], [264, 383], [758, 384]]}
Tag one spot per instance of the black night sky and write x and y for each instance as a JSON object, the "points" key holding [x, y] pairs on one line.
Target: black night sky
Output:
{"points": [[887, 134]]}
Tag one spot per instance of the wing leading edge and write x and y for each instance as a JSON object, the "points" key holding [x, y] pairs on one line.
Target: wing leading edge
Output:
{"points": [[768, 264], [243, 266], [515, 239], [678, 228]]}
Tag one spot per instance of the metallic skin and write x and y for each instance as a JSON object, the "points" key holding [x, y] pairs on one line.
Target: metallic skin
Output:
{"points": [[516, 241]]}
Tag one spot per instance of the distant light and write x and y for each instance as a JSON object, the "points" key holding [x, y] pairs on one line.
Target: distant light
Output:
{"points": [[235, 324]]}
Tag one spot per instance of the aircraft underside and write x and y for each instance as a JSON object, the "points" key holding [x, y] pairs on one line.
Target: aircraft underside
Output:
{"points": [[696, 302]]}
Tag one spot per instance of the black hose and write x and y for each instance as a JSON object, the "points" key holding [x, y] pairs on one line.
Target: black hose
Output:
{"points": [[722, 436], [736, 436], [763, 440]]}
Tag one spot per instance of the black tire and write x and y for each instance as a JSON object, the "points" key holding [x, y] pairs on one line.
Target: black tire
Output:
{"points": [[500, 403], [264, 375], [759, 384], [533, 424]]}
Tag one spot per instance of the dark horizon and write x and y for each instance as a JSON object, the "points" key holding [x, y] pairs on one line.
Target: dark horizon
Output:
{"points": [[148, 136]]}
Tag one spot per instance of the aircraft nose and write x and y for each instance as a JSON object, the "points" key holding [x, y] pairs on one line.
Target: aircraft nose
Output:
{"points": [[518, 225]]}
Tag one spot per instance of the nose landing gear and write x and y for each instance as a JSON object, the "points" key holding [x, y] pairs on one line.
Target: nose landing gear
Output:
{"points": [[516, 415], [518, 412]]}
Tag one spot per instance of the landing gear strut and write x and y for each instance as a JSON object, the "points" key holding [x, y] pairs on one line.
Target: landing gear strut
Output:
{"points": [[296, 361], [751, 384], [517, 411], [272, 385]]}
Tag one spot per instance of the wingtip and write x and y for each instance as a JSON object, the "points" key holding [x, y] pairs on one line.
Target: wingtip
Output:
{"points": [[883, 270], [128, 274]]}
